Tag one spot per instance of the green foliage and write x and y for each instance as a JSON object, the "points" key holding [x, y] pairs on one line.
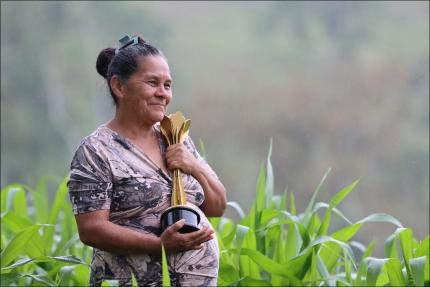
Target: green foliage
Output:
{"points": [[272, 245], [165, 267], [40, 246], [285, 248]]}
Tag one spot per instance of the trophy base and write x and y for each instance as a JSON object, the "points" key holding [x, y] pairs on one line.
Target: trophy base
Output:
{"points": [[176, 213]]}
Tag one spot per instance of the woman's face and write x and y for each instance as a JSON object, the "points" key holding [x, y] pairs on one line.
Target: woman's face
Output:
{"points": [[148, 91]]}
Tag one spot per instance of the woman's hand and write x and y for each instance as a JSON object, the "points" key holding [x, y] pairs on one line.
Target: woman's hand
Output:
{"points": [[178, 156], [173, 241]]}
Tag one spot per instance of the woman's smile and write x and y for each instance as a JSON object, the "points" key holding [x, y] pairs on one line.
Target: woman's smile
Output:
{"points": [[158, 106]]}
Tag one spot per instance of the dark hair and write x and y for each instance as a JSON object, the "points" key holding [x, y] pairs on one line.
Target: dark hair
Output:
{"points": [[123, 61]]}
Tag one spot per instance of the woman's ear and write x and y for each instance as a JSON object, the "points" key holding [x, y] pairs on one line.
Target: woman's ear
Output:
{"points": [[117, 86]]}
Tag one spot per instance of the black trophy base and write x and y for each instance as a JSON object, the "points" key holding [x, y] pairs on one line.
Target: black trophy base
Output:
{"points": [[176, 213]]}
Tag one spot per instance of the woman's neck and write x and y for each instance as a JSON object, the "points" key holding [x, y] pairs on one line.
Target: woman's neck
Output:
{"points": [[131, 127]]}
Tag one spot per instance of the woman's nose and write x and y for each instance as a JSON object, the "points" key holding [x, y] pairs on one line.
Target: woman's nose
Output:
{"points": [[162, 92]]}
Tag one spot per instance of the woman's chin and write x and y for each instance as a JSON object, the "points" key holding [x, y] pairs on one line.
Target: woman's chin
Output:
{"points": [[158, 116], [154, 115]]}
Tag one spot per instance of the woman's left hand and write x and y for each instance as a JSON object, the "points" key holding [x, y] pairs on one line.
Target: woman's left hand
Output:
{"points": [[178, 156]]}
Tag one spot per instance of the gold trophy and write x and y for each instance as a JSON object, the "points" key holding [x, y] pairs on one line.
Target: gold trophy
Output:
{"points": [[175, 129]]}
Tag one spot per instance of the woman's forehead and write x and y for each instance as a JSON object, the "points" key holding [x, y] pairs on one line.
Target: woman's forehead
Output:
{"points": [[154, 66]]}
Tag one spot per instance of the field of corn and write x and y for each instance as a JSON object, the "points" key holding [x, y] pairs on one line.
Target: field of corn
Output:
{"points": [[272, 245]]}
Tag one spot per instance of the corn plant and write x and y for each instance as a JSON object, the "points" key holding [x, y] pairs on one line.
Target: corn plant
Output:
{"points": [[274, 245], [39, 241]]}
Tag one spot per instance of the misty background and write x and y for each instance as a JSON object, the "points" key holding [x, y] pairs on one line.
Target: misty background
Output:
{"points": [[334, 84]]}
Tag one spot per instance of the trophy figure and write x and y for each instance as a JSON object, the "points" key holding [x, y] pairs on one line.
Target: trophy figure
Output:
{"points": [[175, 129]]}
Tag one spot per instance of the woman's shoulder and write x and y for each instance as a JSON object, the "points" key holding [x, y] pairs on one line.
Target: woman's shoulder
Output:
{"points": [[97, 139]]}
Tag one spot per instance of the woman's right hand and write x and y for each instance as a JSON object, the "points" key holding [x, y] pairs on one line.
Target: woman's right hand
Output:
{"points": [[173, 241]]}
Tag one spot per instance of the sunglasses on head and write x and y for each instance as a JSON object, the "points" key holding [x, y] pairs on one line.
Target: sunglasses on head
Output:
{"points": [[126, 41]]}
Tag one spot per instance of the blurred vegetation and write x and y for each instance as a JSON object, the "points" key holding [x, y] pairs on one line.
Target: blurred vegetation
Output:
{"points": [[274, 244], [336, 84]]}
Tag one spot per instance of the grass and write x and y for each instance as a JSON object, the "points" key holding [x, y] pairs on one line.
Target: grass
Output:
{"points": [[272, 245]]}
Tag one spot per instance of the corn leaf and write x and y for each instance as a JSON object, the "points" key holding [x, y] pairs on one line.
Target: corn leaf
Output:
{"points": [[381, 217], [7, 279], [40, 201], [17, 263], [423, 248], [165, 268], [67, 259], [246, 238], [283, 203], [82, 275], [15, 222], [40, 279], [324, 239], [249, 281], [269, 178], [362, 269], [322, 269], [406, 244], [17, 245], [417, 269], [338, 198], [320, 205], [271, 241], [260, 200], [374, 268], [308, 211], [294, 242], [228, 273], [59, 201], [237, 208], [394, 270], [270, 265], [313, 271], [14, 198], [292, 204]]}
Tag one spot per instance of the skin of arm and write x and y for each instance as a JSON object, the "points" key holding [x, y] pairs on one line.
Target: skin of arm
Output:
{"points": [[178, 156], [97, 231]]}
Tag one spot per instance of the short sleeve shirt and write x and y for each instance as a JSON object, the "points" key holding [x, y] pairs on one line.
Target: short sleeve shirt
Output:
{"points": [[109, 172]]}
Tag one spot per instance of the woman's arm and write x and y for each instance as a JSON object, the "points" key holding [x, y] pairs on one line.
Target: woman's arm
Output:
{"points": [[97, 231], [178, 156], [215, 196]]}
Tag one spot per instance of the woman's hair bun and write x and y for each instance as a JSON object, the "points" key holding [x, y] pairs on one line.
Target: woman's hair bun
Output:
{"points": [[103, 61]]}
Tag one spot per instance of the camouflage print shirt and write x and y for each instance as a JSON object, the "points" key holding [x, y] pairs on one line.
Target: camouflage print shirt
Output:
{"points": [[109, 172]]}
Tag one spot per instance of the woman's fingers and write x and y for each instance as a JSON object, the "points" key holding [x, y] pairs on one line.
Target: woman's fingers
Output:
{"points": [[173, 164], [175, 241], [175, 227], [178, 156], [194, 236], [175, 151], [201, 236], [202, 240]]}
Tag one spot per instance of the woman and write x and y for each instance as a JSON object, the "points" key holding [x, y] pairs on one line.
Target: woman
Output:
{"points": [[120, 181]]}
